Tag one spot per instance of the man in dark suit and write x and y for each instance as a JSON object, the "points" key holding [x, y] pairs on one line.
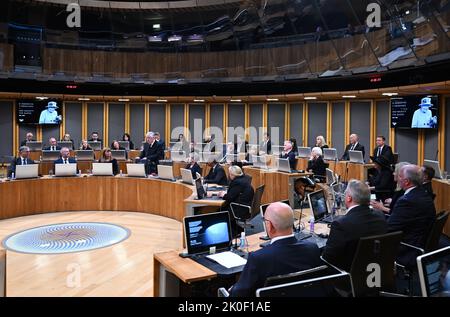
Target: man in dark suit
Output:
{"points": [[428, 175], [151, 153], [413, 213], [216, 174], [353, 146], [360, 221], [28, 138], [23, 159], [65, 157], [240, 189], [95, 138], [266, 145], [284, 255], [161, 143], [383, 149], [289, 154], [53, 146], [193, 165]]}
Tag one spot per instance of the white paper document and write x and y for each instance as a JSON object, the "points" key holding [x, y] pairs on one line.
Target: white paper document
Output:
{"points": [[227, 259]]}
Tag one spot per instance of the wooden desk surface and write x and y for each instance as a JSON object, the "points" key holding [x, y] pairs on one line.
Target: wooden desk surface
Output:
{"points": [[442, 201]]}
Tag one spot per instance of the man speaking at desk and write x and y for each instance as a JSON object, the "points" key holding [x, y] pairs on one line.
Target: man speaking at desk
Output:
{"points": [[151, 153], [284, 255]]}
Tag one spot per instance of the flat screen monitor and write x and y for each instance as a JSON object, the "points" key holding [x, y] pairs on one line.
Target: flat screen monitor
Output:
{"points": [[318, 204], [44, 112], [304, 152], [199, 188], [417, 112], [34, 145], [125, 145], [330, 154], [434, 165], [205, 231], [434, 273]]}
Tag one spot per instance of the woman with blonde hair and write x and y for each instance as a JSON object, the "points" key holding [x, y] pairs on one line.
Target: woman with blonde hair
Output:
{"points": [[320, 142]]}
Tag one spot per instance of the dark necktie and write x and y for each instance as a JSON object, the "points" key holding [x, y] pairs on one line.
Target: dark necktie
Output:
{"points": [[353, 147], [379, 151]]}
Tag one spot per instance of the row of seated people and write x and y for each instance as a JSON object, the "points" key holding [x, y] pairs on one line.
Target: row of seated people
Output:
{"points": [[413, 214], [65, 158]]}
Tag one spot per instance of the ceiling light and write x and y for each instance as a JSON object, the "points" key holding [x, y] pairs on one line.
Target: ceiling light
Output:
{"points": [[272, 99], [124, 99], [390, 94], [42, 98], [199, 100], [235, 100], [350, 96], [84, 99], [157, 26], [161, 100], [310, 98]]}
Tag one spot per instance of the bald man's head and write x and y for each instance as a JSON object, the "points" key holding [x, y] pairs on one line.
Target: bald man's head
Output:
{"points": [[281, 217]]}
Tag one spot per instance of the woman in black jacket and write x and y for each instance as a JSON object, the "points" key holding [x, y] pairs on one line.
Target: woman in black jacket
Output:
{"points": [[316, 165], [107, 158]]}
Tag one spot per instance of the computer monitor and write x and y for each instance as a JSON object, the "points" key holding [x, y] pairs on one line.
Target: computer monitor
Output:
{"points": [[102, 169], [325, 286], [34, 145], [330, 154], [283, 165], [330, 176], [67, 144], [356, 157], [318, 204], [27, 171], [95, 145], [136, 170], [125, 145], [165, 172], [84, 155], [199, 188], [304, 152], [119, 155], [205, 231], [434, 165], [66, 169], [186, 176], [50, 155], [434, 273]]}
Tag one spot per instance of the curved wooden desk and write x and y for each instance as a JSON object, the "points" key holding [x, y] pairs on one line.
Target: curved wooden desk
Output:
{"points": [[50, 194]]}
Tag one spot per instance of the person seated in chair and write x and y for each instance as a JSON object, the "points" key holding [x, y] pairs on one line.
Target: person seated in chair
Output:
{"points": [[360, 221], [316, 165], [428, 175], [240, 189], [216, 174], [289, 154], [284, 254], [193, 165], [302, 187], [383, 181], [53, 145], [23, 159], [65, 157]]}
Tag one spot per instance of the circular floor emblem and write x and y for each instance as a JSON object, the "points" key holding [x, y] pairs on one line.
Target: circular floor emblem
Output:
{"points": [[66, 238]]}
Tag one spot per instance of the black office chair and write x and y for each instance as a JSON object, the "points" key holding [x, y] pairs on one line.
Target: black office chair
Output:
{"points": [[431, 244], [256, 203], [374, 254], [241, 214]]}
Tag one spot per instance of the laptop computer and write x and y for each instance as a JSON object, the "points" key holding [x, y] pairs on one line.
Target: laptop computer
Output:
{"points": [[304, 152], [50, 155], [136, 170], [283, 165], [166, 172], [356, 157], [319, 207], [124, 144], [102, 169], [330, 154], [120, 155], [66, 169], [434, 165], [27, 171], [186, 176], [178, 156], [67, 144], [84, 155], [34, 145], [95, 145], [202, 232], [434, 273], [330, 176]]}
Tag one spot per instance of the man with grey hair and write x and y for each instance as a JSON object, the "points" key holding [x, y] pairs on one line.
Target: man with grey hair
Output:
{"points": [[289, 154], [360, 221], [151, 153], [353, 146], [22, 159], [413, 213], [284, 254]]}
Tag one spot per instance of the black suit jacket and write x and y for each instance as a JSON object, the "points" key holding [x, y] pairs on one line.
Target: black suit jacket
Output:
{"points": [[60, 160], [429, 189], [414, 214], [17, 161], [317, 166], [386, 151], [345, 232], [217, 175], [152, 153], [292, 159], [194, 170], [384, 183], [58, 148], [358, 147], [240, 191], [282, 257], [266, 148]]}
